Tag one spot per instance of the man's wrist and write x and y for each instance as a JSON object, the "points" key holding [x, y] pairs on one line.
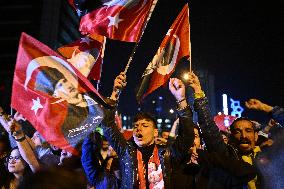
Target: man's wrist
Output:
{"points": [[266, 108], [199, 94]]}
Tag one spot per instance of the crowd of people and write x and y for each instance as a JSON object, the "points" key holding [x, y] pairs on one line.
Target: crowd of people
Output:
{"points": [[190, 155]]}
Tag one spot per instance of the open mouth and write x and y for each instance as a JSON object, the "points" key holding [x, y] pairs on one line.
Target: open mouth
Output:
{"points": [[139, 136], [244, 142]]}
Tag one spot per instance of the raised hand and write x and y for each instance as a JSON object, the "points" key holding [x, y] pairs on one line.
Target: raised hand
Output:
{"points": [[4, 119], [119, 84], [177, 88], [256, 104], [194, 83], [18, 116]]}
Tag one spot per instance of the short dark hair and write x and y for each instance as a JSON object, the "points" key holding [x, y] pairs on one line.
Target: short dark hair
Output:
{"points": [[232, 126], [147, 116]]}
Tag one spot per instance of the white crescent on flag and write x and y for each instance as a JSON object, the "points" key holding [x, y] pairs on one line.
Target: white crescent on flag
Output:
{"points": [[164, 70], [53, 62]]}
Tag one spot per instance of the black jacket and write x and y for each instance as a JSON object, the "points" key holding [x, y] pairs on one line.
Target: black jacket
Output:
{"points": [[127, 151], [218, 167]]}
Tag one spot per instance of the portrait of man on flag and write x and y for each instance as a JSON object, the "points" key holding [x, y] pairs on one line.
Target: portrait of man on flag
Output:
{"points": [[175, 45], [54, 98], [86, 55]]}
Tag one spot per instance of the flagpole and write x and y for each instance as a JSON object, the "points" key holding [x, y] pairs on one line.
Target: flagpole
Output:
{"points": [[140, 36], [118, 91], [190, 64]]}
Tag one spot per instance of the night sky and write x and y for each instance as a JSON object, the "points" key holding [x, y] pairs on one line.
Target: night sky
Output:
{"points": [[240, 43]]}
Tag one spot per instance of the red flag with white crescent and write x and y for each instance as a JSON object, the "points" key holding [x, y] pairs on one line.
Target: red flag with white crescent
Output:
{"points": [[54, 97], [86, 55], [174, 46], [116, 19]]}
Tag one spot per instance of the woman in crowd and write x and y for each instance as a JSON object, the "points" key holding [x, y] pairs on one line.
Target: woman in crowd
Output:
{"points": [[17, 169]]}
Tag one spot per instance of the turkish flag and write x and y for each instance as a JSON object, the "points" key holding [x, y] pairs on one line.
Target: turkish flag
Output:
{"points": [[174, 46], [55, 97], [116, 19], [86, 55]]}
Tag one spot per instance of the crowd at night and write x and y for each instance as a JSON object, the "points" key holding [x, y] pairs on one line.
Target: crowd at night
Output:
{"points": [[141, 94]]}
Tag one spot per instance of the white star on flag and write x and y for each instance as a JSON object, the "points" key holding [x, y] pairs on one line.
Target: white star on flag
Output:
{"points": [[36, 105], [85, 40], [114, 20], [169, 32]]}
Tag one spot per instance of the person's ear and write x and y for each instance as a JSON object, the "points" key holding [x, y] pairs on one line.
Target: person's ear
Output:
{"points": [[156, 133], [255, 136]]}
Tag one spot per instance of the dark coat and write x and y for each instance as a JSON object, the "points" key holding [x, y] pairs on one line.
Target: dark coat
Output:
{"points": [[218, 167], [127, 151], [96, 174]]}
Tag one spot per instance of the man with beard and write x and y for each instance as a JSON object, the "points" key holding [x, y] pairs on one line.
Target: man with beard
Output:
{"points": [[244, 137]]}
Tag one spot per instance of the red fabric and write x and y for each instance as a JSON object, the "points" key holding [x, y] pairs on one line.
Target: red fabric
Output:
{"points": [[155, 175], [220, 121], [132, 15], [50, 117], [92, 42], [128, 133], [178, 37]]}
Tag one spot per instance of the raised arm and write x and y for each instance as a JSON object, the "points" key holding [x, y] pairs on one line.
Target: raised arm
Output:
{"points": [[277, 113], [179, 148], [210, 132], [15, 130], [111, 131], [90, 160]]}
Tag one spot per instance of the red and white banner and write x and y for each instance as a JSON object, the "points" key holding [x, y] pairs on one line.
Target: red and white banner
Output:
{"points": [[54, 97]]}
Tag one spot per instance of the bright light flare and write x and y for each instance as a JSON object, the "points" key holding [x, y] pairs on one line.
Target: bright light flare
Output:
{"points": [[186, 76]]}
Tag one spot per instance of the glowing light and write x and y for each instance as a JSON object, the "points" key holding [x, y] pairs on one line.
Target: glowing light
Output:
{"points": [[159, 120], [171, 111], [237, 109], [167, 121], [153, 102], [124, 118], [186, 76], [160, 98], [225, 104]]}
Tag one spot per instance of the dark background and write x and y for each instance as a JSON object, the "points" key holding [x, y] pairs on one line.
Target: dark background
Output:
{"points": [[239, 43]]}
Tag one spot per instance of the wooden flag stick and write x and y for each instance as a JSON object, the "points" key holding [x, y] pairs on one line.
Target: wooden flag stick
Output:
{"points": [[190, 62], [140, 36], [138, 42]]}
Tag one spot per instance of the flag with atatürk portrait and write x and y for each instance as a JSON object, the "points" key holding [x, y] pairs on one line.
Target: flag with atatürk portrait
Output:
{"points": [[86, 55], [174, 46], [116, 19], [53, 96]]}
